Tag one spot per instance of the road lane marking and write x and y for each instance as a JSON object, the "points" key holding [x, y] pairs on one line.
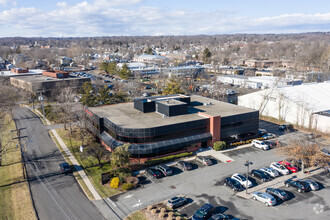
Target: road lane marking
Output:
{"points": [[111, 202], [138, 204], [129, 196]]}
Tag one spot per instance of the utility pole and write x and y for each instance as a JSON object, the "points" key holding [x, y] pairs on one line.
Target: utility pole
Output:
{"points": [[20, 145], [247, 164], [41, 98]]}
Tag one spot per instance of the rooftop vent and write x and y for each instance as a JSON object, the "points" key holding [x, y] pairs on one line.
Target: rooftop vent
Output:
{"points": [[207, 103]]}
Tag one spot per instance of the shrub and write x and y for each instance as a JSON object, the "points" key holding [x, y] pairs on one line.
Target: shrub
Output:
{"points": [[168, 158], [114, 183], [161, 215], [153, 211], [219, 145], [127, 186]]}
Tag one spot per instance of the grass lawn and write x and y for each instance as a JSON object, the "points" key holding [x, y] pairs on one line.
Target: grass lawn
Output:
{"points": [[15, 201], [89, 164], [138, 215]]}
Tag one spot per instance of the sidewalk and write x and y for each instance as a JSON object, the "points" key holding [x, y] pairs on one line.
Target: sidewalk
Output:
{"points": [[73, 160], [278, 182]]}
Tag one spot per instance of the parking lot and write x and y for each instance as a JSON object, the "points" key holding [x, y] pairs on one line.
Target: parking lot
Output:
{"points": [[204, 184]]}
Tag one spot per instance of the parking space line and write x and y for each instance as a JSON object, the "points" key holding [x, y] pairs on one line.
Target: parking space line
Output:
{"points": [[149, 179], [186, 206]]}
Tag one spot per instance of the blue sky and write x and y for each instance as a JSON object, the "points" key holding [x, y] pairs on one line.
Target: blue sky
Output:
{"points": [[80, 18]]}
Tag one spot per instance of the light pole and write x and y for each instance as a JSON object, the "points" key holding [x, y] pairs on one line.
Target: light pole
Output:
{"points": [[247, 164]]}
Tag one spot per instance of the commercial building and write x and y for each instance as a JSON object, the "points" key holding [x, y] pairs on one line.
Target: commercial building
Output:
{"points": [[257, 82], [165, 125], [48, 81], [305, 105], [183, 71]]}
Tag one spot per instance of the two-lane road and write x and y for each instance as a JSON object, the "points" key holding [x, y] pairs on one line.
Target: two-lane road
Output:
{"points": [[56, 196]]}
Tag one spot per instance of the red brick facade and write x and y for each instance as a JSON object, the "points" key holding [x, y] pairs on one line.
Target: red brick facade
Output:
{"points": [[56, 74]]}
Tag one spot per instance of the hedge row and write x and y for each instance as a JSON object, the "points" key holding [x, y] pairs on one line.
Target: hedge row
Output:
{"points": [[168, 158], [245, 142]]}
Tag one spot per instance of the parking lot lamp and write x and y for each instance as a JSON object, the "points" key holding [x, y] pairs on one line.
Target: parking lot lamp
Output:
{"points": [[247, 164]]}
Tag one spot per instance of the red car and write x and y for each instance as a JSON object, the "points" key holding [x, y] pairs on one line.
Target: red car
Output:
{"points": [[288, 165]]}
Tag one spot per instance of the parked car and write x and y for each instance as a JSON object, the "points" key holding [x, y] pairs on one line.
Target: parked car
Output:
{"points": [[259, 144], [270, 171], [233, 184], [204, 212], [261, 131], [269, 136], [153, 173], [312, 184], [280, 168], [285, 127], [204, 160], [184, 165], [165, 170], [288, 165], [219, 216], [242, 180], [277, 193], [265, 198], [176, 202], [261, 175], [270, 144], [297, 184], [65, 168]]}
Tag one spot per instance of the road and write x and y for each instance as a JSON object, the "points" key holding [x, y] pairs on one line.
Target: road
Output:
{"points": [[56, 196]]}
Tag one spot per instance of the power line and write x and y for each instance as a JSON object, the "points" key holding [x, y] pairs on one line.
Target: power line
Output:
{"points": [[38, 177]]}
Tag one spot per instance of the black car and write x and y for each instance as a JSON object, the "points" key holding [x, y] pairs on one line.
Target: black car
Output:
{"points": [[184, 165], [153, 173], [176, 202], [65, 168], [285, 127], [233, 184], [204, 212], [271, 144], [277, 193], [299, 185], [261, 175]]}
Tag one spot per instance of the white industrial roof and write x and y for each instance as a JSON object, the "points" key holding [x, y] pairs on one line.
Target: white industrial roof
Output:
{"points": [[315, 96], [31, 71]]}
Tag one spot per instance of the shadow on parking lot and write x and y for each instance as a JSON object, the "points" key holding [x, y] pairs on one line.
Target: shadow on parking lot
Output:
{"points": [[291, 195], [253, 181], [194, 165], [321, 186], [144, 180], [176, 171]]}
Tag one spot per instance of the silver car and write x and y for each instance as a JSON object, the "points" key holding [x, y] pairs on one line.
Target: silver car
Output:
{"points": [[204, 160], [270, 171], [280, 168], [312, 184], [265, 198]]}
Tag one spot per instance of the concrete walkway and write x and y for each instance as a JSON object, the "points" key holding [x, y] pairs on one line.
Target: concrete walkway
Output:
{"points": [[278, 182], [73, 160], [80, 171]]}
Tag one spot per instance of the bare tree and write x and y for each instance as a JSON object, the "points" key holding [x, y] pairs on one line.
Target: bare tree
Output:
{"points": [[307, 152], [98, 152]]}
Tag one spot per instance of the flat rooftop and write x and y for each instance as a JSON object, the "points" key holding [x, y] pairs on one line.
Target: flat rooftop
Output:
{"points": [[41, 78], [125, 115], [172, 102], [31, 72]]}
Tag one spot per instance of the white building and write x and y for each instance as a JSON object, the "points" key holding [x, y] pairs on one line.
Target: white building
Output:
{"points": [[306, 105], [257, 82]]}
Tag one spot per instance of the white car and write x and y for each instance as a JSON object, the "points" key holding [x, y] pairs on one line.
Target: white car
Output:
{"points": [[242, 180], [266, 198], [280, 168], [270, 171], [260, 144]]}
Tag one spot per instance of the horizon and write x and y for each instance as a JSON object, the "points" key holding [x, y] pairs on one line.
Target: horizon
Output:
{"points": [[101, 18]]}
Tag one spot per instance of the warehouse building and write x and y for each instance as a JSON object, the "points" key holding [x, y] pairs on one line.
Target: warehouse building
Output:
{"points": [[305, 105], [165, 125]]}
